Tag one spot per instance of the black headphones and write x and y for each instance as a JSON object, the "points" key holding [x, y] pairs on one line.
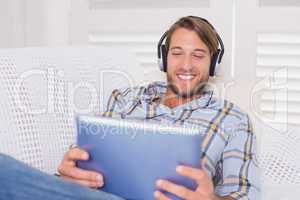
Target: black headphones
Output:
{"points": [[216, 57]]}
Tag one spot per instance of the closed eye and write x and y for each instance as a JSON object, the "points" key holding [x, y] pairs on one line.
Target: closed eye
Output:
{"points": [[199, 56], [176, 53]]}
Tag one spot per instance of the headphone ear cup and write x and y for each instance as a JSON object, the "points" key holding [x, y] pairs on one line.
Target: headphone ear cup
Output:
{"points": [[213, 63], [164, 55]]}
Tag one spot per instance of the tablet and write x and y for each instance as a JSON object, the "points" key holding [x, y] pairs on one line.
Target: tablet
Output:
{"points": [[133, 154]]}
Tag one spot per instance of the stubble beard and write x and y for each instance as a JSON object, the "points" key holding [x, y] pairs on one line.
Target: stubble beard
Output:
{"points": [[191, 94]]}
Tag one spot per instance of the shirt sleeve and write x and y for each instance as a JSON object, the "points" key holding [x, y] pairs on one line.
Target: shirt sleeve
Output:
{"points": [[239, 166]]}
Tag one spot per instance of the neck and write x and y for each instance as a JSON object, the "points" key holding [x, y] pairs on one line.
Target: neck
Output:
{"points": [[173, 100]]}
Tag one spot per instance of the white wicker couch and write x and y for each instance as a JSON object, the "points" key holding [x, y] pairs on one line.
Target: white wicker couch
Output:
{"points": [[42, 88]]}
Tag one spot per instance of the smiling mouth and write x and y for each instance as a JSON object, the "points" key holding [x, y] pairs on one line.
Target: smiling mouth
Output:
{"points": [[186, 77]]}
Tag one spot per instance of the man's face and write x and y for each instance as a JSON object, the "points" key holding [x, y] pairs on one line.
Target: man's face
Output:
{"points": [[188, 63]]}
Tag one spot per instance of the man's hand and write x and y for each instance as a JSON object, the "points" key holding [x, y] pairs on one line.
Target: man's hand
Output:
{"points": [[204, 191], [69, 171]]}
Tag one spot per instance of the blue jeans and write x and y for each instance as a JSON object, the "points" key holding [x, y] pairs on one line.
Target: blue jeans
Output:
{"points": [[21, 182]]}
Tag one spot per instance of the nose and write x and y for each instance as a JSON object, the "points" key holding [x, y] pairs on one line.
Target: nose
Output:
{"points": [[187, 63]]}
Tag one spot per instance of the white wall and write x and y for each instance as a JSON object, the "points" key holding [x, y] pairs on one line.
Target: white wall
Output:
{"points": [[34, 23], [11, 23]]}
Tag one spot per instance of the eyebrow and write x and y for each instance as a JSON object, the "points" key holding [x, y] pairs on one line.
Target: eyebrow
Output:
{"points": [[176, 48], [201, 50], [197, 50]]}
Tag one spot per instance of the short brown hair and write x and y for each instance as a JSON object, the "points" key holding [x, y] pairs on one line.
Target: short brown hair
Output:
{"points": [[204, 30]]}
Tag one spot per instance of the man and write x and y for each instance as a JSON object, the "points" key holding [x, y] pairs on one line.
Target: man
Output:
{"points": [[191, 52], [228, 160]]}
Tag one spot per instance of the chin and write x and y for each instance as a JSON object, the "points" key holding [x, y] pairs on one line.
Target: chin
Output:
{"points": [[183, 92], [186, 89]]}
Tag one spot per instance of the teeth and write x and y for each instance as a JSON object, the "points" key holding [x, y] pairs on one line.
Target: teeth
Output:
{"points": [[185, 77]]}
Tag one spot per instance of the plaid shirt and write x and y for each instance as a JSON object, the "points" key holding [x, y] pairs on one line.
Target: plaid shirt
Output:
{"points": [[228, 147]]}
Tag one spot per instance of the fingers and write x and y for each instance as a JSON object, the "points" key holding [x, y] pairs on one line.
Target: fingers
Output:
{"points": [[91, 184], [199, 176], [77, 173], [205, 189], [76, 154], [192, 173], [69, 171], [160, 196], [178, 190]]}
